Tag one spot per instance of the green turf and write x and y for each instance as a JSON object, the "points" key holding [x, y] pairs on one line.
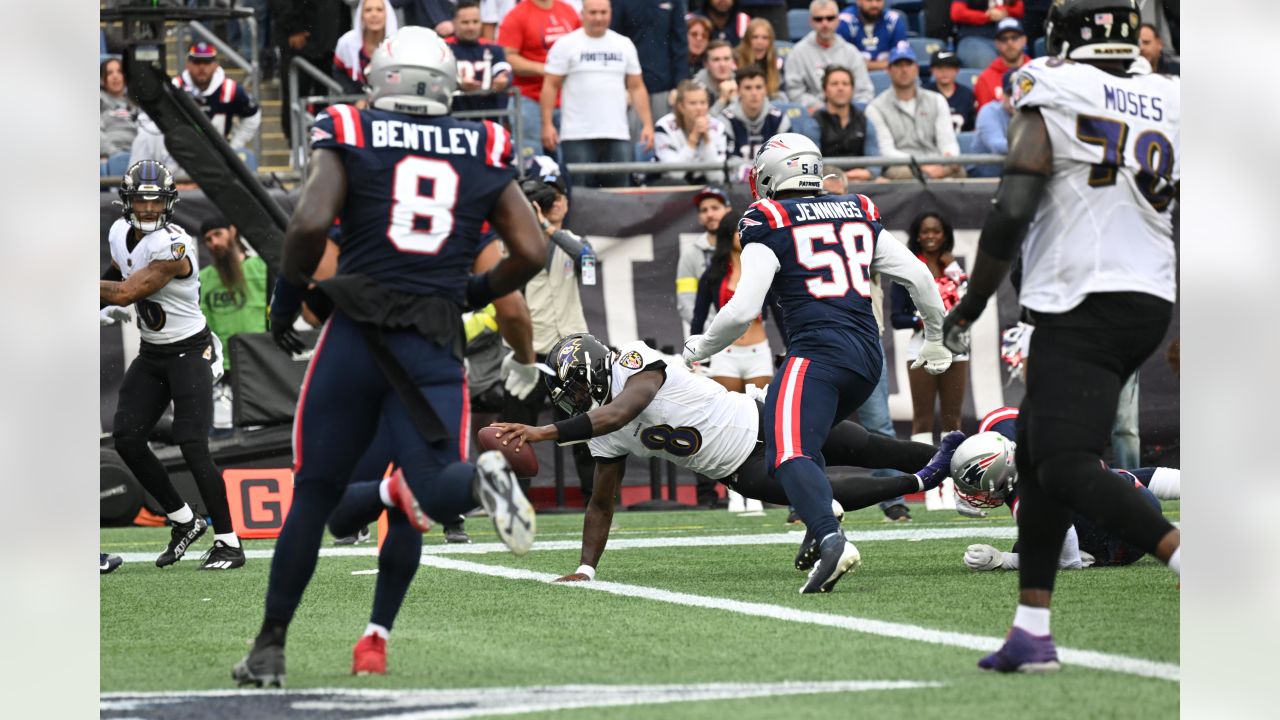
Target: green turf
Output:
{"points": [[181, 629]]}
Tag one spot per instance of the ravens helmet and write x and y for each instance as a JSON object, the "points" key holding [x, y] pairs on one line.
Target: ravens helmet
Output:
{"points": [[1093, 29], [148, 180], [983, 469], [413, 72], [581, 369]]}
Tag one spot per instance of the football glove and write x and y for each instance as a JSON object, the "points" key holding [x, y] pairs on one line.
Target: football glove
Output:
{"points": [[693, 349], [956, 326], [964, 508], [286, 337], [934, 356], [981, 558], [110, 314], [521, 379]]}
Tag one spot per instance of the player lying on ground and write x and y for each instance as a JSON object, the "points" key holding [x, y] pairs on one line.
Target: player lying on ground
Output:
{"points": [[633, 403], [986, 476]]}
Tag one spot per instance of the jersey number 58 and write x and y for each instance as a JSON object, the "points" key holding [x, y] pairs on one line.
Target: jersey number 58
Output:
{"points": [[851, 270]]}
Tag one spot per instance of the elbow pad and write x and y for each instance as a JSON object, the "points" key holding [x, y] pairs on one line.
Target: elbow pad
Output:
{"points": [[1011, 213]]}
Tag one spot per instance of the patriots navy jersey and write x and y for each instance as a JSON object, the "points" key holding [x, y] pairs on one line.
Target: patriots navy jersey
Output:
{"points": [[825, 246], [418, 191], [479, 62]]}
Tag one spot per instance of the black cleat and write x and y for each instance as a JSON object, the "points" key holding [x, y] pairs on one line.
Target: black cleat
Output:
{"points": [[897, 514], [108, 563], [808, 554], [222, 557], [362, 535], [455, 533], [181, 535], [263, 666], [837, 557]]}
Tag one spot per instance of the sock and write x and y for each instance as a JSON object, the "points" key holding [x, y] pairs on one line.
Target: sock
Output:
{"points": [[1032, 619], [1175, 561], [924, 437], [384, 492], [1166, 484], [182, 515], [228, 539], [376, 629]]}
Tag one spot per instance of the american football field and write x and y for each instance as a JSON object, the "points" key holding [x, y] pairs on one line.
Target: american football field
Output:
{"points": [[693, 614]]}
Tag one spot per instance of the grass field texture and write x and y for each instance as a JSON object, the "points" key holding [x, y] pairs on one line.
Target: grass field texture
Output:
{"points": [[179, 630]]}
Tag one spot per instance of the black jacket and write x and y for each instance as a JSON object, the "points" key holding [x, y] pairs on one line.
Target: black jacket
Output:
{"points": [[660, 36]]}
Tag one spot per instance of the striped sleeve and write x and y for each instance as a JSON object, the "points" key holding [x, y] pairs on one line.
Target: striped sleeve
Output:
{"points": [[997, 416], [338, 125], [497, 145]]}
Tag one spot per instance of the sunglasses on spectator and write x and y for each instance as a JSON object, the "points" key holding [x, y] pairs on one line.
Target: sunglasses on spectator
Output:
{"points": [[825, 18]]}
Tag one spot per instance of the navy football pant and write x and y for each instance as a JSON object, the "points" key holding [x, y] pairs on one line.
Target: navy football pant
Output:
{"points": [[805, 400], [343, 398]]}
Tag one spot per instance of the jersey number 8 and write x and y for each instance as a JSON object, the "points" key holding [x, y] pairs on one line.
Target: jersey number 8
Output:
{"points": [[411, 206], [856, 239]]}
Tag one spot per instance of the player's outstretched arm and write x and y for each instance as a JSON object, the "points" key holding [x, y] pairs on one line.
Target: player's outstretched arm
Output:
{"points": [[896, 262], [595, 524], [1026, 173], [511, 311], [143, 283], [759, 265], [321, 201], [515, 223], [639, 391]]}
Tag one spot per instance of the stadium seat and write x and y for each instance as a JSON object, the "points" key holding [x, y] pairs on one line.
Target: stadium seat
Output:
{"points": [[247, 157], [967, 141], [117, 164], [880, 80], [783, 48], [1038, 50], [797, 24], [643, 155], [925, 47], [801, 121], [906, 6], [967, 77]]}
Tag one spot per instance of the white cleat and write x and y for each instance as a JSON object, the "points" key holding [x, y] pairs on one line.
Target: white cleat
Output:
{"points": [[511, 512]]}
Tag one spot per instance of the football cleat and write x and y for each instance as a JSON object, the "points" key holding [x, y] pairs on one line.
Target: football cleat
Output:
{"points": [[362, 535], [897, 514], [495, 486], [939, 467], [222, 557], [108, 563], [369, 657], [1023, 652], [837, 557], [181, 535], [263, 666], [808, 554], [403, 497], [455, 533]]}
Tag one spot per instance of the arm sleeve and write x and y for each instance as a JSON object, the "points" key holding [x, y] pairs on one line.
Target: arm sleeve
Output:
{"points": [[863, 88], [701, 305], [896, 262], [759, 265], [902, 315], [884, 138], [944, 130]]}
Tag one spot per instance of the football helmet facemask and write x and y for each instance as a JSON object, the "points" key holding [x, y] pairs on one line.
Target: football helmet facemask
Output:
{"points": [[983, 469], [148, 180], [1092, 29], [413, 72], [582, 372]]}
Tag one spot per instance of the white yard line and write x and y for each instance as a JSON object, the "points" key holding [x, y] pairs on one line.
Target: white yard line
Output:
{"points": [[788, 538], [1084, 658]]}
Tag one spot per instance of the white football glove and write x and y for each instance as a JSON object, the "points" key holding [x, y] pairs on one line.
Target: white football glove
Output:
{"points": [[521, 379], [693, 349], [964, 508], [112, 313], [981, 558], [934, 356]]}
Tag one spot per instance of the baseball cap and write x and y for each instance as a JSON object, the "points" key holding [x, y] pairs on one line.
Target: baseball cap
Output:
{"points": [[203, 51], [710, 191], [1009, 24], [945, 58], [902, 51]]}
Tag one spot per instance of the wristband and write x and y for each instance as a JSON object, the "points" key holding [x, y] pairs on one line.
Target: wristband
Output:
{"points": [[575, 429], [587, 570]]}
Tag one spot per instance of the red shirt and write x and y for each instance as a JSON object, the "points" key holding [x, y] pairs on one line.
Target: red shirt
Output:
{"points": [[989, 85], [531, 31]]}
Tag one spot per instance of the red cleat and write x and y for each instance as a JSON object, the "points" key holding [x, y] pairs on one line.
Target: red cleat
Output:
{"points": [[369, 656], [403, 498]]}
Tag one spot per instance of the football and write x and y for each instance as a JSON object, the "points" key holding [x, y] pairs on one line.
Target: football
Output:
{"points": [[523, 461]]}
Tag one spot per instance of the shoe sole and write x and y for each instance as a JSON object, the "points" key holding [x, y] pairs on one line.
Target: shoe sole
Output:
{"points": [[1041, 667], [224, 564], [200, 529], [849, 561], [499, 493], [408, 503]]}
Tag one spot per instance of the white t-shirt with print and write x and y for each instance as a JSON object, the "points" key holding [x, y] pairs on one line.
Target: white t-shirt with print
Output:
{"points": [[593, 100]]}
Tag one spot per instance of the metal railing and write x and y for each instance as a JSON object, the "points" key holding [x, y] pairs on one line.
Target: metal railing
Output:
{"points": [[732, 167], [227, 53]]}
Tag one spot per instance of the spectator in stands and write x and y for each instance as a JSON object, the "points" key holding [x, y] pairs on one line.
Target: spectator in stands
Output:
{"points": [[373, 24], [117, 116], [483, 70], [773, 11], [1011, 43], [527, 33], [976, 23], [757, 48], [873, 30], [717, 75], [727, 23], [308, 29], [597, 69], [932, 239], [993, 127], [713, 204], [660, 37], [1152, 49], [945, 66], [691, 134], [752, 119], [845, 131], [229, 107], [910, 120], [820, 48], [434, 14], [698, 35]]}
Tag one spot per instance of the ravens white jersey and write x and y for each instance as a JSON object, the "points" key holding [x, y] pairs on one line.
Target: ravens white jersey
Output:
{"points": [[172, 313], [693, 421], [1105, 224]]}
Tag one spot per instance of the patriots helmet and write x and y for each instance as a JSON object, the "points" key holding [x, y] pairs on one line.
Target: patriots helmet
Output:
{"points": [[1092, 29], [147, 180], [788, 161], [581, 372], [413, 72], [983, 469]]}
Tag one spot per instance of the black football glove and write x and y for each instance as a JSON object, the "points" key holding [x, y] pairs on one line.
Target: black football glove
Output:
{"points": [[956, 326], [286, 337]]}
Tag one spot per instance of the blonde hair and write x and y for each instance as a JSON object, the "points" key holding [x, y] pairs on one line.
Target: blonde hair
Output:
{"points": [[769, 63], [682, 91]]}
